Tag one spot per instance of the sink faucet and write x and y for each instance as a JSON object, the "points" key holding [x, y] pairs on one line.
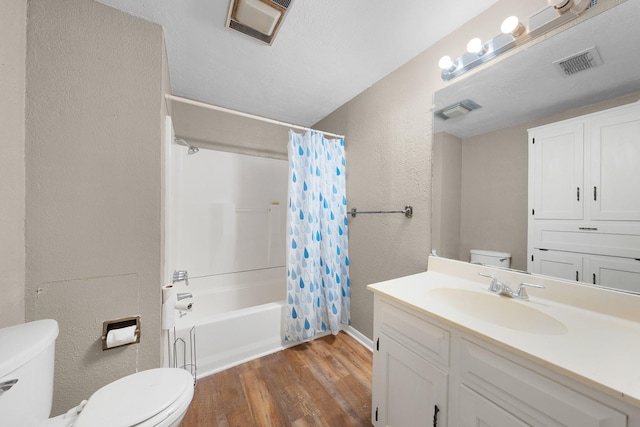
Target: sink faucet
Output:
{"points": [[504, 289]]}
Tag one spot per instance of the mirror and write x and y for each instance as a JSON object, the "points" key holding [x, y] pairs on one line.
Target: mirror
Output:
{"points": [[481, 158]]}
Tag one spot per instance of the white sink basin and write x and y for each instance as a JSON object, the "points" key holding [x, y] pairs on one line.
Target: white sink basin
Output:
{"points": [[499, 310]]}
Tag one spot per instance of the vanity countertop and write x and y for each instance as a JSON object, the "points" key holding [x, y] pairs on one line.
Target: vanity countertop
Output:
{"points": [[589, 334]]}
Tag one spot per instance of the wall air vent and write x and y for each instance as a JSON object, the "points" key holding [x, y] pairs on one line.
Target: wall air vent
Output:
{"points": [[259, 19], [581, 61], [456, 110]]}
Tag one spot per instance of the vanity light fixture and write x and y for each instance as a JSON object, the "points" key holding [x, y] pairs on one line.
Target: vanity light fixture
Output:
{"points": [[513, 33]]}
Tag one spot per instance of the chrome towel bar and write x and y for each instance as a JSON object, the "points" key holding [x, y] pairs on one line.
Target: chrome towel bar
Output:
{"points": [[407, 211]]}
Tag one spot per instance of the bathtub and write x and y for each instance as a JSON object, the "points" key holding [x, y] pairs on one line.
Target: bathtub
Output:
{"points": [[237, 317]]}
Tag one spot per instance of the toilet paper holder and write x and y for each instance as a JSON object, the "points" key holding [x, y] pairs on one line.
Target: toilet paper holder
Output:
{"points": [[124, 322]]}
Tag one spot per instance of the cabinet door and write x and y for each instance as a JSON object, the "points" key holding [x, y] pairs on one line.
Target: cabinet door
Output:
{"points": [[556, 172], [406, 388], [476, 411], [619, 273], [529, 396], [564, 265], [614, 192]]}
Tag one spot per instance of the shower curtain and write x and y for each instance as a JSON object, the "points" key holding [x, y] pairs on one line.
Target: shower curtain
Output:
{"points": [[318, 286]]}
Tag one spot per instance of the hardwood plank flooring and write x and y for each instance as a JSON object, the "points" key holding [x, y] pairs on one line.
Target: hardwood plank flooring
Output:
{"points": [[323, 383]]}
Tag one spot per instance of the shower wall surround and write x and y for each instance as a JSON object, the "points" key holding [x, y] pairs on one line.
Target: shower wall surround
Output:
{"points": [[230, 213]]}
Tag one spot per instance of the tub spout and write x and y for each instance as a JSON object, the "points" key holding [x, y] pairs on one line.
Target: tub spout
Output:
{"points": [[184, 295]]}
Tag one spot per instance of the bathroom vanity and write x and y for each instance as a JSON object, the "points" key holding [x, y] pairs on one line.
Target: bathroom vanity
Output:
{"points": [[449, 352]]}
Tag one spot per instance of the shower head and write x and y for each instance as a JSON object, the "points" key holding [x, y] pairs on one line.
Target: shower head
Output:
{"points": [[191, 148]]}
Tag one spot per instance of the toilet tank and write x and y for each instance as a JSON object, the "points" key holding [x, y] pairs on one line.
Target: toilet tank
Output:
{"points": [[27, 353], [493, 258]]}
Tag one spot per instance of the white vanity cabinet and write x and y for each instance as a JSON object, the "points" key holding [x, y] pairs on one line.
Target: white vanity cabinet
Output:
{"points": [[410, 369], [584, 195], [421, 363]]}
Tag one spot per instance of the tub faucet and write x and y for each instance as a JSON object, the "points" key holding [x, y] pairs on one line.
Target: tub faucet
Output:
{"points": [[184, 295], [179, 276]]}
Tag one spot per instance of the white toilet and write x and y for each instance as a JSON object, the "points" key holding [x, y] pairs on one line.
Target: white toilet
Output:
{"points": [[156, 397], [492, 258]]}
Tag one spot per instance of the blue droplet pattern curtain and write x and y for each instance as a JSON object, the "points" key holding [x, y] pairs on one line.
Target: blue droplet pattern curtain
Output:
{"points": [[318, 286]]}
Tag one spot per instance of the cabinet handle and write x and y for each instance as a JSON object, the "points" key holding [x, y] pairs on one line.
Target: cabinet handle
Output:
{"points": [[578, 193], [435, 415], [577, 277], [595, 193], [594, 278]]}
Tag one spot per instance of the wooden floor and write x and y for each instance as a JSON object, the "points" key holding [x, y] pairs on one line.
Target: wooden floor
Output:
{"points": [[326, 382]]}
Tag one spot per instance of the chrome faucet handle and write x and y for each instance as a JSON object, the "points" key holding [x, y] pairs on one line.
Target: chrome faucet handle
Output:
{"points": [[495, 286], [521, 293]]}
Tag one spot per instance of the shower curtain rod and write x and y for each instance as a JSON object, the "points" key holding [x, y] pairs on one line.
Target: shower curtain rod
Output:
{"points": [[247, 115]]}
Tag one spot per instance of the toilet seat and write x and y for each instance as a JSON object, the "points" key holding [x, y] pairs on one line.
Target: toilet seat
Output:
{"points": [[143, 399]]}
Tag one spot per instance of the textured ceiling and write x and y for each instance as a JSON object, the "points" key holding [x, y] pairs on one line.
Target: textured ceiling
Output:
{"points": [[326, 52]]}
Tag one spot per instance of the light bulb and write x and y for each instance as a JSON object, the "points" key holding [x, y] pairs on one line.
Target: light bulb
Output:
{"points": [[445, 63], [561, 6], [475, 46], [513, 26]]}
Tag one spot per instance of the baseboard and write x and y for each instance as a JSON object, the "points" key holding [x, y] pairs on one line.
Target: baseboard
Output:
{"points": [[359, 336]]}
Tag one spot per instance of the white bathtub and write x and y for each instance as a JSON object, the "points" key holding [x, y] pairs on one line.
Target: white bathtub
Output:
{"points": [[237, 317]]}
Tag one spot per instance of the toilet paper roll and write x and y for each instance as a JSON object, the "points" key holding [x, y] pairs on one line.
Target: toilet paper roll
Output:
{"points": [[122, 336], [184, 305], [169, 300]]}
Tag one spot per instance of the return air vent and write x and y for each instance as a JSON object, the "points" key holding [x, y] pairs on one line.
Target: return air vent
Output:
{"points": [[283, 3], [259, 19], [581, 61]]}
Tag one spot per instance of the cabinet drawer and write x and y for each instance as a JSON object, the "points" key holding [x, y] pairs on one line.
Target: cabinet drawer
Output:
{"points": [[622, 240], [530, 396], [422, 337]]}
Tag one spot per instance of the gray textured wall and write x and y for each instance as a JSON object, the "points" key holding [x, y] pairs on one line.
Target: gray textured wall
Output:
{"points": [[388, 144], [13, 33], [93, 186]]}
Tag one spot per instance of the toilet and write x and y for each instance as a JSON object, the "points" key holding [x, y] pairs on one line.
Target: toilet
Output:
{"points": [[492, 258], [155, 397]]}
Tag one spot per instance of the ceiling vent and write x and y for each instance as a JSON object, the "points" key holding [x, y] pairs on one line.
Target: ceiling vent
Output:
{"points": [[259, 19], [456, 110], [581, 61]]}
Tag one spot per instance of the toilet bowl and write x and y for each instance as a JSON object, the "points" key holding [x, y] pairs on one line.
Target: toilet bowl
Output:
{"points": [[152, 398]]}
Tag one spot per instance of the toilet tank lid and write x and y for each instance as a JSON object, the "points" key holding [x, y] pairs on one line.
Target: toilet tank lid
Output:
{"points": [[490, 253], [136, 398], [19, 344]]}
